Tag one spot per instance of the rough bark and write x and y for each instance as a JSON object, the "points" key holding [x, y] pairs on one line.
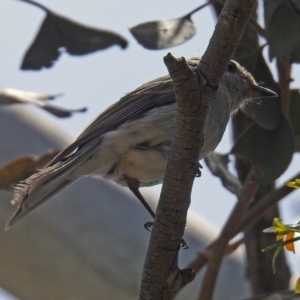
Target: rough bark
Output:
{"points": [[161, 276]]}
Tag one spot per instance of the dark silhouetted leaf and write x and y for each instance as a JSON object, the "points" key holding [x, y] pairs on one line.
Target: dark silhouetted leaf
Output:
{"points": [[218, 165], [295, 117], [12, 96], [165, 33], [270, 150], [282, 19], [60, 112], [57, 33], [265, 112], [22, 167]]}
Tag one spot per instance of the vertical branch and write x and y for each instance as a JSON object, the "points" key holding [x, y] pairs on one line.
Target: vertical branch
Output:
{"points": [[161, 276]]}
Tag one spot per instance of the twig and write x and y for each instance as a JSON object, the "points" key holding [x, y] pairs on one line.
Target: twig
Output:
{"points": [[204, 255], [264, 204], [249, 189], [253, 213], [284, 68], [258, 29]]}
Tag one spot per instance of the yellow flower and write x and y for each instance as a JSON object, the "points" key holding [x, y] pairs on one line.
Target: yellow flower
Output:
{"points": [[294, 184], [287, 231], [297, 287]]}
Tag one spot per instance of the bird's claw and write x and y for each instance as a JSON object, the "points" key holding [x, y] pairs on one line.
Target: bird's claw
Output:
{"points": [[183, 244], [198, 172], [148, 226]]}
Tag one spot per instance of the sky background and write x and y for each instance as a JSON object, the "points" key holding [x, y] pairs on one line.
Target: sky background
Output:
{"points": [[100, 79]]}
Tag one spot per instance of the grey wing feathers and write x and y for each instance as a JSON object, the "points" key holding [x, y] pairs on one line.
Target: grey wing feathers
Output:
{"points": [[41, 186], [155, 93], [31, 193]]}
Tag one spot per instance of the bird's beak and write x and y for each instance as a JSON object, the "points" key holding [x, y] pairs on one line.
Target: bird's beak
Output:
{"points": [[257, 91]]}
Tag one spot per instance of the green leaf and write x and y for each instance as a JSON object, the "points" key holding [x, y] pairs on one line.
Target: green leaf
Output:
{"points": [[277, 251], [282, 19], [265, 112], [281, 244], [270, 150]]}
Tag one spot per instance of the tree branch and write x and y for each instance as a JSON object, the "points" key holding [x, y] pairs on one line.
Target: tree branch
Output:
{"points": [[162, 277], [172, 209]]}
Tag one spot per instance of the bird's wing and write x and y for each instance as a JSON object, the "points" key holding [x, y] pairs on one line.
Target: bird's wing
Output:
{"points": [[153, 94]]}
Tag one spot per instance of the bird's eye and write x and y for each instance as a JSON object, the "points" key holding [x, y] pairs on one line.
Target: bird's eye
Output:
{"points": [[231, 67]]}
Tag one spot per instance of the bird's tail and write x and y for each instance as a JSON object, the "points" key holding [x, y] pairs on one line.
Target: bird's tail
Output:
{"points": [[39, 187]]}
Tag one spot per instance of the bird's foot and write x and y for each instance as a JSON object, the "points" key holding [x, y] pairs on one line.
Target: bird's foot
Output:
{"points": [[198, 172], [148, 226], [183, 243]]}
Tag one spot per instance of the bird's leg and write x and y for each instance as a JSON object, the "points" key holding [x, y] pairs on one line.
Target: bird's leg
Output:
{"points": [[134, 185]]}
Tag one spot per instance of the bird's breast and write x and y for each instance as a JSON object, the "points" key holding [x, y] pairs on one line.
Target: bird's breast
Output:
{"points": [[139, 148]]}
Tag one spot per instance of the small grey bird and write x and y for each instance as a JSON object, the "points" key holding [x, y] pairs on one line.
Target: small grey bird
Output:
{"points": [[129, 143]]}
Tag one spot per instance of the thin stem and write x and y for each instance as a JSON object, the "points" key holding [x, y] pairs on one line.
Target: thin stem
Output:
{"points": [[188, 15], [249, 189], [253, 213]]}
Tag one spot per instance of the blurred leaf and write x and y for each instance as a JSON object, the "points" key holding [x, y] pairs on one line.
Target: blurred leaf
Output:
{"points": [[282, 19], [265, 112], [165, 33], [295, 116], [44, 160], [18, 169], [278, 295], [275, 255], [270, 150], [297, 287], [22, 167], [58, 32], [12, 96], [218, 165], [61, 112]]}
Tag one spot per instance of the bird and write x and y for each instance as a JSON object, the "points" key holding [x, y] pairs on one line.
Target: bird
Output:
{"points": [[130, 141]]}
